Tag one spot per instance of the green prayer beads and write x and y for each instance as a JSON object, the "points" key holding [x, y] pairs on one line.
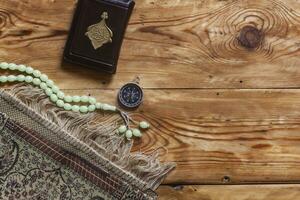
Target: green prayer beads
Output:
{"points": [[60, 103], [136, 133], [67, 107], [58, 97], [129, 134], [84, 109], [144, 125]]}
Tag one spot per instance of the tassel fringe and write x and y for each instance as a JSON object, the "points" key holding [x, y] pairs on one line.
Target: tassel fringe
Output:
{"points": [[97, 130]]}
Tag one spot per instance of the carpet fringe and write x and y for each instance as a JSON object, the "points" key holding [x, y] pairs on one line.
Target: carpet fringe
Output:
{"points": [[97, 130]]}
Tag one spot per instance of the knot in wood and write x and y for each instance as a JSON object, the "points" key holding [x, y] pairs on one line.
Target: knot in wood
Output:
{"points": [[250, 37]]}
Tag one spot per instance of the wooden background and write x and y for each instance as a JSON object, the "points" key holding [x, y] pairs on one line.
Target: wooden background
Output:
{"points": [[228, 114]]}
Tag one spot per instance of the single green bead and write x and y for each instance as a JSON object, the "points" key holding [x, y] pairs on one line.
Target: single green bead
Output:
{"points": [[55, 89], [83, 109], [11, 78], [21, 78], [92, 100], [36, 81], [37, 73], [99, 105], [107, 107], [67, 106], [144, 125], [76, 99], [3, 79], [136, 133], [21, 68], [28, 79], [68, 99], [43, 86], [48, 91], [53, 98], [122, 129], [29, 70], [4, 65], [60, 95], [60, 103], [92, 108], [75, 108], [50, 83], [84, 99], [113, 108], [44, 77], [128, 134], [12, 66]]}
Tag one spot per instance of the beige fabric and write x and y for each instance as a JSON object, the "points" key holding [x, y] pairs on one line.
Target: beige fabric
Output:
{"points": [[91, 136]]}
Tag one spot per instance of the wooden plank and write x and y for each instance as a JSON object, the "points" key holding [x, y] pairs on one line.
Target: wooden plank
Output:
{"points": [[243, 192], [221, 136], [169, 44]]}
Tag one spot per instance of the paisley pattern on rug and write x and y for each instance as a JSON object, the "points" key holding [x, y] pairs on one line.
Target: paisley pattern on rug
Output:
{"points": [[28, 173], [49, 154]]}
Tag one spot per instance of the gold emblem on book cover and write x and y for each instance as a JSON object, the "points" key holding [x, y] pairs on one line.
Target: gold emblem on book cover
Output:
{"points": [[100, 33]]}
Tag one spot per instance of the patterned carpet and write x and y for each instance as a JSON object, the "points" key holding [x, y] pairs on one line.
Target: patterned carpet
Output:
{"points": [[39, 160]]}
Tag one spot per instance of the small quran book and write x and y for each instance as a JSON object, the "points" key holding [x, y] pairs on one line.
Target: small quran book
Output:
{"points": [[97, 33]]}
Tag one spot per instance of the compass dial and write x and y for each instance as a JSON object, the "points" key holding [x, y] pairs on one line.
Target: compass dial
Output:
{"points": [[131, 95]]}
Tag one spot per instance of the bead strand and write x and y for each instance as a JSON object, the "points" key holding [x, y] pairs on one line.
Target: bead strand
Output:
{"points": [[44, 78], [58, 97], [49, 92]]}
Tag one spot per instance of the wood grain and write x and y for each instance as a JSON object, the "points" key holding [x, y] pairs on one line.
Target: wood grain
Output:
{"points": [[221, 136], [244, 192], [170, 44], [224, 104]]}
